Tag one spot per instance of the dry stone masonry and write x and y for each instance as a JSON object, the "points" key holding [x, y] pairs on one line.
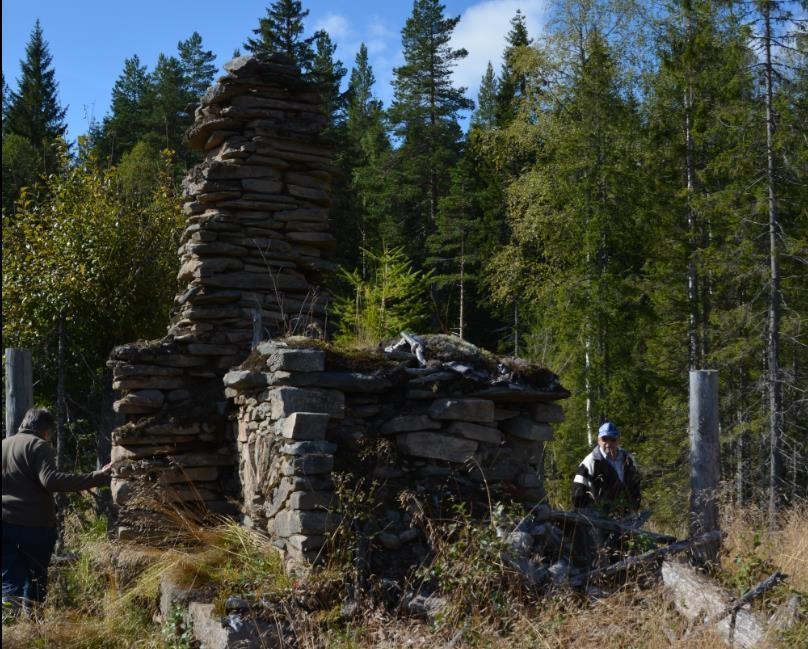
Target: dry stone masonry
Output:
{"points": [[297, 434], [466, 425], [251, 261]]}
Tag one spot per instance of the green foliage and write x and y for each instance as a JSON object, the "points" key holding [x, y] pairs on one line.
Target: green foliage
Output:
{"points": [[22, 166], [468, 567], [357, 499], [197, 65], [361, 211], [176, 632], [485, 114], [281, 32], [151, 106], [388, 300], [126, 123], [33, 109], [328, 73], [99, 253], [513, 81], [424, 116], [33, 122], [168, 96]]}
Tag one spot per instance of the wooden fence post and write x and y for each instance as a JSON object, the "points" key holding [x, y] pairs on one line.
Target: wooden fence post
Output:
{"points": [[19, 387], [705, 460]]}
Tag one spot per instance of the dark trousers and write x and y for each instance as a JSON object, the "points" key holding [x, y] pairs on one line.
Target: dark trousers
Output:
{"points": [[26, 555]]}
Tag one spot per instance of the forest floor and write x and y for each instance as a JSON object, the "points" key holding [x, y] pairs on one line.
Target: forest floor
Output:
{"points": [[90, 607]]}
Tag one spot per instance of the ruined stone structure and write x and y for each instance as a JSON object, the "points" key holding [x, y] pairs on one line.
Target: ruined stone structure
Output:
{"points": [[458, 424], [251, 262], [272, 440]]}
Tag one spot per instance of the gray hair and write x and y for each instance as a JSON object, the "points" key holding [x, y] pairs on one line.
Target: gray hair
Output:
{"points": [[37, 421]]}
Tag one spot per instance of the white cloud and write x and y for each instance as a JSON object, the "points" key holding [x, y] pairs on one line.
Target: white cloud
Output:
{"points": [[337, 26], [482, 31]]}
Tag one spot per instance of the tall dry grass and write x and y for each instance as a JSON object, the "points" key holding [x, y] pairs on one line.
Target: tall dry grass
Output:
{"points": [[487, 608], [752, 552]]}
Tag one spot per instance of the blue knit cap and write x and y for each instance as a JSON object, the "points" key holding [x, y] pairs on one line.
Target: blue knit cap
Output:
{"points": [[608, 429]]}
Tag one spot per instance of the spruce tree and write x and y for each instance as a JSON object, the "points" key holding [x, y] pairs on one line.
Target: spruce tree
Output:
{"points": [[360, 103], [328, 72], [424, 114], [485, 115], [197, 66], [513, 83], [361, 209], [700, 110], [33, 109], [281, 32]]}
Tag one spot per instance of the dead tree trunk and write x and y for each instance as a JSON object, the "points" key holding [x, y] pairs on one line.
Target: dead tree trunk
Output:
{"points": [[773, 342], [61, 448], [700, 599], [705, 460], [19, 387]]}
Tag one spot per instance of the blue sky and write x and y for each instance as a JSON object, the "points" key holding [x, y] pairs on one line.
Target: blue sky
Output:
{"points": [[89, 39]]}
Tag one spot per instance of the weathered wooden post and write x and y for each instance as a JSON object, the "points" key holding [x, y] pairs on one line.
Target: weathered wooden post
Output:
{"points": [[705, 460], [19, 387]]}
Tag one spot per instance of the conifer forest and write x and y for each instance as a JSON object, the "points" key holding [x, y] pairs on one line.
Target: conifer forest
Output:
{"points": [[625, 200]]}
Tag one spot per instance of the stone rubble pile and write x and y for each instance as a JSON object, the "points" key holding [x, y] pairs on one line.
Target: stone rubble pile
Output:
{"points": [[251, 262], [301, 417]]}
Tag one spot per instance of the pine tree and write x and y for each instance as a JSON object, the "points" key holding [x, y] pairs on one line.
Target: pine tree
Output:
{"points": [[166, 104], [281, 32], [424, 114], [485, 114], [33, 109], [197, 66], [128, 119]]}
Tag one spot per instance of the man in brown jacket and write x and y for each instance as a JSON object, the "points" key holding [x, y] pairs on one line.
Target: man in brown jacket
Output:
{"points": [[30, 479]]}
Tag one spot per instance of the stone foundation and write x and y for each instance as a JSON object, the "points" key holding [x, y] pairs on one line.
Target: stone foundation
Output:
{"points": [[462, 430]]}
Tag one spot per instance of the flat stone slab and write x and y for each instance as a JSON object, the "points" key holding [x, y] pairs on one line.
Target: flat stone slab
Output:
{"points": [[308, 465], [316, 500], [548, 412], [139, 401], [304, 426], [308, 447], [521, 395], [436, 446], [149, 382], [287, 400], [288, 523], [350, 382], [479, 410], [240, 379], [297, 360], [525, 428], [408, 423], [469, 430], [214, 632]]}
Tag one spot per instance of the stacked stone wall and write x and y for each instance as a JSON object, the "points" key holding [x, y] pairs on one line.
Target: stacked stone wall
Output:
{"points": [[251, 262], [301, 418]]}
